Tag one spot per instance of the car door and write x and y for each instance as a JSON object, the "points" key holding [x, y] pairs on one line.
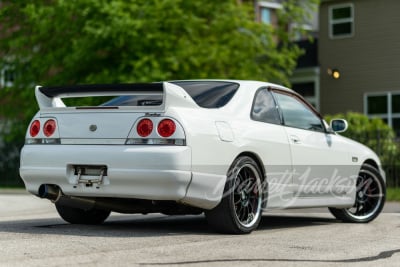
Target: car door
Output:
{"points": [[271, 143], [319, 160]]}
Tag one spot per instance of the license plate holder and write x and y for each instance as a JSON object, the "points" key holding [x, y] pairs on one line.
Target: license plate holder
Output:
{"points": [[90, 174]]}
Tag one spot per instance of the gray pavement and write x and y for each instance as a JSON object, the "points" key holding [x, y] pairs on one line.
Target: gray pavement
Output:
{"points": [[32, 234]]}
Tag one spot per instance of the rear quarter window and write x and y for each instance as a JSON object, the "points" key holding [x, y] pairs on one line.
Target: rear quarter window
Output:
{"points": [[209, 94]]}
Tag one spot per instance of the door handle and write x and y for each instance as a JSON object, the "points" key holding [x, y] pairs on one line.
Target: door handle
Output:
{"points": [[295, 139]]}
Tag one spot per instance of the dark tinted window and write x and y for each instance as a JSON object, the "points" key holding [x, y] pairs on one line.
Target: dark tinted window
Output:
{"points": [[377, 104], [209, 94], [341, 13], [298, 114], [395, 103], [206, 94], [264, 108], [342, 28], [396, 126], [135, 100]]}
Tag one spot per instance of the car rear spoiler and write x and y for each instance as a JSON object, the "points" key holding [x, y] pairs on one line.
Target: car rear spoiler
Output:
{"points": [[95, 89], [51, 97]]}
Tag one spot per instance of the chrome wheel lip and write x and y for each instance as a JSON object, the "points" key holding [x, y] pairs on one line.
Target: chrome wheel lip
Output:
{"points": [[246, 198], [375, 209]]}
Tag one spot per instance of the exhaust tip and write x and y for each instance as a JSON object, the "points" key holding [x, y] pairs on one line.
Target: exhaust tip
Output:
{"points": [[49, 191]]}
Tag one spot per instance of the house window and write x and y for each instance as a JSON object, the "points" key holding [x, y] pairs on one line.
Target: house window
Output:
{"points": [[265, 15], [308, 91], [385, 106], [267, 12], [341, 20], [7, 77]]}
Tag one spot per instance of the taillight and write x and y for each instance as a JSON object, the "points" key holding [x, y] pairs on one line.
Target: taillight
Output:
{"points": [[144, 127], [49, 128], [166, 128], [169, 133], [35, 128]]}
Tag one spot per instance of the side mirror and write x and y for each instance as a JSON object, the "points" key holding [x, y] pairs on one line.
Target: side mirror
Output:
{"points": [[338, 125]]}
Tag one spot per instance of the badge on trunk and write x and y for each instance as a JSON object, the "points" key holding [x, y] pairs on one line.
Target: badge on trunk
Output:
{"points": [[93, 127]]}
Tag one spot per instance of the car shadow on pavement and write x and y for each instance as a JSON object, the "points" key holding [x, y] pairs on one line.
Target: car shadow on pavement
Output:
{"points": [[151, 225], [277, 221]]}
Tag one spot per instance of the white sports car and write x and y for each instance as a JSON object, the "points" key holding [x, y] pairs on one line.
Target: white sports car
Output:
{"points": [[228, 148]]}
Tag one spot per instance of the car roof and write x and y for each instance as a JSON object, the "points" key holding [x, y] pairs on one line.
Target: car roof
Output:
{"points": [[241, 103], [243, 83]]}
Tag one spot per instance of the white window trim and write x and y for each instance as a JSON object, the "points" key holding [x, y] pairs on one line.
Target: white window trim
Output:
{"points": [[304, 26], [270, 5], [332, 21]]}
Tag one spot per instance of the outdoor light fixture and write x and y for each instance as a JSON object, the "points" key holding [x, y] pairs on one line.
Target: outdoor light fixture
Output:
{"points": [[334, 73]]}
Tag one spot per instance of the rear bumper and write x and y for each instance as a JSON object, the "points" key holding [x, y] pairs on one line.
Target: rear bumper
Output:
{"points": [[142, 172], [148, 172]]}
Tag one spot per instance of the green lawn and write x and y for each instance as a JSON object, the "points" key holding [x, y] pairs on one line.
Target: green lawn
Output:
{"points": [[393, 194]]}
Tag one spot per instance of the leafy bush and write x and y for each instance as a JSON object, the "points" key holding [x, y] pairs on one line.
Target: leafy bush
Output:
{"points": [[374, 133]]}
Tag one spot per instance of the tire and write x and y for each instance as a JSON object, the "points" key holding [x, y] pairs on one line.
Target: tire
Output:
{"points": [[240, 209], [370, 197], [80, 216]]}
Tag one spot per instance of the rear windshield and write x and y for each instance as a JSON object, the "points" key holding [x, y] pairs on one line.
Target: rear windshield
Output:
{"points": [[206, 94]]}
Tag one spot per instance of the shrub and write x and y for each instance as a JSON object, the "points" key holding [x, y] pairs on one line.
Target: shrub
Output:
{"points": [[374, 133]]}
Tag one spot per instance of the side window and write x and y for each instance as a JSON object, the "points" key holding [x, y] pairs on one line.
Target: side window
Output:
{"points": [[264, 108], [298, 114]]}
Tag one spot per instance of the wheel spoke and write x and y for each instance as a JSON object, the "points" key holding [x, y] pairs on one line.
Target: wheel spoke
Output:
{"points": [[239, 211], [236, 202], [248, 212], [357, 207], [243, 214], [240, 180], [251, 206], [361, 210], [246, 174]]}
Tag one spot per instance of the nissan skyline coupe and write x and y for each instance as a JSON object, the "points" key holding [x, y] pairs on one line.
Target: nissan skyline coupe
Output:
{"points": [[230, 149]]}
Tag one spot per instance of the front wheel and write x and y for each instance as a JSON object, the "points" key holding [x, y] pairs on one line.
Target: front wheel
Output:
{"points": [[81, 216], [370, 197], [239, 211]]}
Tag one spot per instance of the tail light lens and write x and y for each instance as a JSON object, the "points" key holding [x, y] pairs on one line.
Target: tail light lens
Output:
{"points": [[166, 128], [49, 128], [169, 132], [35, 128], [144, 127]]}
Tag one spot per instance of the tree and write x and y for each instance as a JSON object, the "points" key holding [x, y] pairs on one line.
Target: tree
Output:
{"points": [[58, 42], [53, 42]]}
